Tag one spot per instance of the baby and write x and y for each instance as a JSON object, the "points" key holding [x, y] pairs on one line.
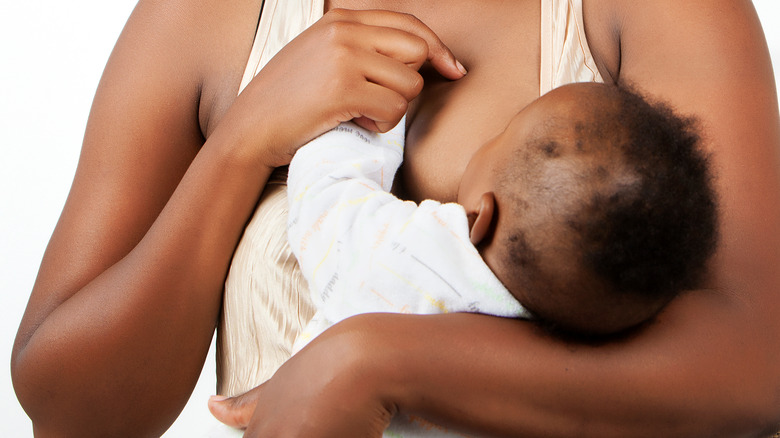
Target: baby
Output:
{"points": [[588, 213]]}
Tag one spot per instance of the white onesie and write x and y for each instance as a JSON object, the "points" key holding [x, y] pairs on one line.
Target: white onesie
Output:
{"points": [[363, 250]]}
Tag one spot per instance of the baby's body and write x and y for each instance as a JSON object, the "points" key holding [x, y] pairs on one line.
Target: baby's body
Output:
{"points": [[531, 204], [364, 250]]}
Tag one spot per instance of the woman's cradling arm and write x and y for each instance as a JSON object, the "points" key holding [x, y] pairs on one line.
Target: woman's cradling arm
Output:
{"points": [[708, 365]]}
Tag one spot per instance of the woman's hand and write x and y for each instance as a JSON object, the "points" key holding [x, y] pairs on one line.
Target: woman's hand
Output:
{"points": [[358, 65], [328, 389]]}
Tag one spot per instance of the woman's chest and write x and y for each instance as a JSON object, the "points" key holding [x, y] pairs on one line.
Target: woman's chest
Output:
{"points": [[498, 42]]}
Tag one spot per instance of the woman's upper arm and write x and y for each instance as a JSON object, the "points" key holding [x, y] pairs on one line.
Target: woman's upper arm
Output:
{"points": [[141, 135], [709, 59]]}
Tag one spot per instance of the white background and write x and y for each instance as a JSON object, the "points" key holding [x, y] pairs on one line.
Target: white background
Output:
{"points": [[52, 54]]}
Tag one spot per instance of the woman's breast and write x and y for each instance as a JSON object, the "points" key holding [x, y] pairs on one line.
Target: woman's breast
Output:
{"points": [[499, 43], [450, 120]]}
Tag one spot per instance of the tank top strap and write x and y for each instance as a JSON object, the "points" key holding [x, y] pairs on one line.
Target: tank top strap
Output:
{"points": [[280, 22], [565, 54]]}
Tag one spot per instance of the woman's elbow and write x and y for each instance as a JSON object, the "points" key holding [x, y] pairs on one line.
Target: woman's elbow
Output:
{"points": [[56, 411], [39, 402], [24, 383]]}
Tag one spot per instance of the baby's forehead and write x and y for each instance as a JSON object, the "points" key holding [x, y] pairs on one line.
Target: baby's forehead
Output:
{"points": [[579, 98], [581, 109]]}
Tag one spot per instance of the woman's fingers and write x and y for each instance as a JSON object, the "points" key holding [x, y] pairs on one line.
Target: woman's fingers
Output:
{"points": [[358, 65], [435, 51], [235, 411], [380, 104], [396, 77], [385, 56], [385, 49]]}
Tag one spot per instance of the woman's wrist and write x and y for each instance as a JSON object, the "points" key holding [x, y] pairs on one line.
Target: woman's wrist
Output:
{"points": [[243, 143], [370, 368], [382, 359]]}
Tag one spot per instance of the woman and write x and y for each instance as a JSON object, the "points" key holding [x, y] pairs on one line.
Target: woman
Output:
{"points": [[172, 165]]}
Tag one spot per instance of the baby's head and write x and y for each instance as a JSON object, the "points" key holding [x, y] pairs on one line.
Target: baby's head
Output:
{"points": [[594, 208]]}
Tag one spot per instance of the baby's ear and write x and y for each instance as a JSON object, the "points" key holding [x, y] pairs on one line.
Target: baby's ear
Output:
{"points": [[480, 220]]}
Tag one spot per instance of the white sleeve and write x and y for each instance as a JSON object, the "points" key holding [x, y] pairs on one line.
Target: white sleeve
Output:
{"points": [[363, 250], [335, 183]]}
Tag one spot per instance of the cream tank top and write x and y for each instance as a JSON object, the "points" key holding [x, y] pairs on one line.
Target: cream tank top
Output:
{"points": [[266, 301]]}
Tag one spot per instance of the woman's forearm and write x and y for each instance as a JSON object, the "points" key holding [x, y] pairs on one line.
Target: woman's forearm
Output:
{"points": [[711, 375], [504, 377]]}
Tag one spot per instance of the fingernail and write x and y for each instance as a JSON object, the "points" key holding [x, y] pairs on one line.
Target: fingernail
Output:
{"points": [[218, 398], [460, 67]]}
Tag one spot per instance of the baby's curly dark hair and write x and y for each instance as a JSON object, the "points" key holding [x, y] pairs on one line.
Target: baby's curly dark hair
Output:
{"points": [[640, 234], [654, 238]]}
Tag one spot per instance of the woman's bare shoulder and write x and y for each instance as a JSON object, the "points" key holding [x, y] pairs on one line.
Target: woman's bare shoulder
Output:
{"points": [[698, 43], [208, 42]]}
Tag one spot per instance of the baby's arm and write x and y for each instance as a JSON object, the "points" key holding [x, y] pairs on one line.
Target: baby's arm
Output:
{"points": [[363, 250], [336, 183]]}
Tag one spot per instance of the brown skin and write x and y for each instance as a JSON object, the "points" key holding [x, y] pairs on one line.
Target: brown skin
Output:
{"points": [[127, 297]]}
